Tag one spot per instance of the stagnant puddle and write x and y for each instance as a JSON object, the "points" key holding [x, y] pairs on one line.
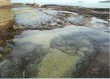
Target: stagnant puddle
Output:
{"points": [[58, 53]]}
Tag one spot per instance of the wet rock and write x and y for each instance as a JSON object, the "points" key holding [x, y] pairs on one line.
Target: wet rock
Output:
{"points": [[42, 18], [1, 52], [65, 53], [31, 71], [17, 27], [6, 51], [1, 48], [1, 42], [98, 24], [51, 19], [81, 44], [76, 19], [75, 45], [51, 12], [35, 17], [94, 19], [97, 12], [3, 68], [21, 64], [72, 43], [9, 69]]}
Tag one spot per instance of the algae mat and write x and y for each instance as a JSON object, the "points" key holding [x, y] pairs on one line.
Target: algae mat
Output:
{"points": [[56, 64]]}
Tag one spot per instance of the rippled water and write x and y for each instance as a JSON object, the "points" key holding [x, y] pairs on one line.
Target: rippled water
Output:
{"points": [[58, 53]]}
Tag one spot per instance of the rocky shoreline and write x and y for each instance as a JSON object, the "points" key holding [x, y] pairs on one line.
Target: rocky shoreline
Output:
{"points": [[64, 15], [102, 13], [59, 17], [55, 41]]}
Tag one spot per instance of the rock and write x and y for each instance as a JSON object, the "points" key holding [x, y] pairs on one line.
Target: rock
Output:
{"points": [[71, 43], [98, 24], [0, 56], [1, 52], [5, 51], [8, 69], [1, 42], [35, 18], [15, 27], [22, 65], [31, 70], [76, 44], [40, 18], [1, 48], [11, 68], [76, 19], [4, 68], [94, 19], [35, 5], [65, 53]]}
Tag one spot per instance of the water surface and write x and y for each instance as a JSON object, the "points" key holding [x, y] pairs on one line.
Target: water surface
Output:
{"points": [[52, 53]]}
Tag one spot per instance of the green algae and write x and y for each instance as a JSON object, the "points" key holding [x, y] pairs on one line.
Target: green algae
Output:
{"points": [[56, 64]]}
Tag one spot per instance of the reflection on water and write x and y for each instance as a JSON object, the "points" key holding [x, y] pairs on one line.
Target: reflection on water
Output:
{"points": [[64, 52]]}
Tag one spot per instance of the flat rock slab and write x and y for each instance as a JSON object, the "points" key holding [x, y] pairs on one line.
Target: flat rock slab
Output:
{"points": [[48, 18]]}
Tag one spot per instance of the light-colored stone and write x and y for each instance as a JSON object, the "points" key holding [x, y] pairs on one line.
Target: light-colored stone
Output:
{"points": [[5, 2], [17, 27]]}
